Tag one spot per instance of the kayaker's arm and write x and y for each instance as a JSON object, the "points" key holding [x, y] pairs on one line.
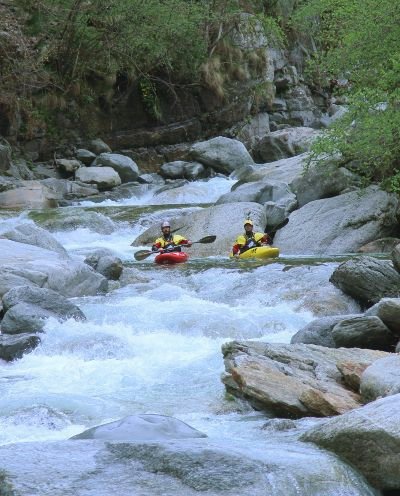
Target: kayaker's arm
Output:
{"points": [[180, 240], [158, 245], [185, 242], [265, 240], [236, 249]]}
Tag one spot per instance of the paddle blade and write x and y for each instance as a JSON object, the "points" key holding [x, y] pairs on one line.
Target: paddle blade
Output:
{"points": [[279, 226], [143, 254], [206, 239]]}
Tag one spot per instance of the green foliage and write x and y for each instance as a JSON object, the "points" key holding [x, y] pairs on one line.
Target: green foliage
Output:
{"points": [[80, 46], [367, 138], [150, 98], [272, 29], [5, 487], [103, 36], [358, 42], [357, 38]]}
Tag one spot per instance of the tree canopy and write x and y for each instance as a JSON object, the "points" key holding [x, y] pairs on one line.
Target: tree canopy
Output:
{"points": [[77, 49], [140, 36], [358, 45]]}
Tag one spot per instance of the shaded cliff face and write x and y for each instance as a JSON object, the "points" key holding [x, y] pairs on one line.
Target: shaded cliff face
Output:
{"points": [[241, 78], [37, 116]]}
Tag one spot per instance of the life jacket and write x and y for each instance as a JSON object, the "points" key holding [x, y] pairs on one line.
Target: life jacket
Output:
{"points": [[246, 241], [251, 241], [169, 242]]}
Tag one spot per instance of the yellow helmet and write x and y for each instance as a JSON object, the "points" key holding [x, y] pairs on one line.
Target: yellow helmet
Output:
{"points": [[248, 221]]}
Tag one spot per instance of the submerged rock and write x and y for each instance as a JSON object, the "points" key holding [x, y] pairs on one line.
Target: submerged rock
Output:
{"points": [[179, 467], [142, 428], [13, 347], [27, 308]]}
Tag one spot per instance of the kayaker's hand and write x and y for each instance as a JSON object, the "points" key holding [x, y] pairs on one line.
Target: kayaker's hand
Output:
{"points": [[189, 243], [161, 250]]}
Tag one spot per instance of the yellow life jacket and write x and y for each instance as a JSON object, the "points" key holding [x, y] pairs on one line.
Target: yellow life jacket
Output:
{"points": [[171, 241], [249, 241]]}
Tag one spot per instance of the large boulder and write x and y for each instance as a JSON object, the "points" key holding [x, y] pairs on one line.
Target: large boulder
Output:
{"points": [[65, 189], [180, 169], [71, 219], [11, 277], [348, 331], [251, 131], [301, 108], [177, 467], [103, 177], [368, 438], [285, 170], [382, 378], [319, 331], [26, 308], [323, 181], [146, 427], [20, 170], [388, 310], [225, 221], [67, 167], [367, 279], [284, 143], [36, 236], [85, 156], [341, 224], [382, 245], [14, 347], [46, 298], [30, 194], [98, 146], [126, 168], [363, 332], [294, 380], [261, 192], [22, 264], [106, 263], [24, 318], [222, 154]]}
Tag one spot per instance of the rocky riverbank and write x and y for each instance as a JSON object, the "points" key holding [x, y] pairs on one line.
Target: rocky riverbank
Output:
{"points": [[333, 366]]}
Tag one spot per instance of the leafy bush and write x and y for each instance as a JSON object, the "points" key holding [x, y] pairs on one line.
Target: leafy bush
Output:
{"points": [[145, 37], [358, 44], [80, 50]]}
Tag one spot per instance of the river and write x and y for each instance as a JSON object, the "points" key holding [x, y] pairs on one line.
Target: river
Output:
{"points": [[154, 345]]}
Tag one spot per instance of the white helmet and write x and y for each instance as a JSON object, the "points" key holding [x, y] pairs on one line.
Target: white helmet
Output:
{"points": [[165, 224]]}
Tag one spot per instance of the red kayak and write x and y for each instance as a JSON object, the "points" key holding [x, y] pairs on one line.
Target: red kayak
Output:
{"points": [[172, 257]]}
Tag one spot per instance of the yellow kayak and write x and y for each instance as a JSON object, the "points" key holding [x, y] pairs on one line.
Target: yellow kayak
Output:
{"points": [[260, 252]]}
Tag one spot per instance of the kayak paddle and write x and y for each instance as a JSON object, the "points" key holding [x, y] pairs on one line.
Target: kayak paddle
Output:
{"points": [[143, 254]]}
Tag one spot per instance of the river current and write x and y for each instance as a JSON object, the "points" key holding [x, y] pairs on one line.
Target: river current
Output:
{"points": [[154, 345]]}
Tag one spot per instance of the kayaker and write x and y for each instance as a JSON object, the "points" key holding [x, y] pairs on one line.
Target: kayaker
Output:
{"points": [[169, 241], [249, 239]]}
